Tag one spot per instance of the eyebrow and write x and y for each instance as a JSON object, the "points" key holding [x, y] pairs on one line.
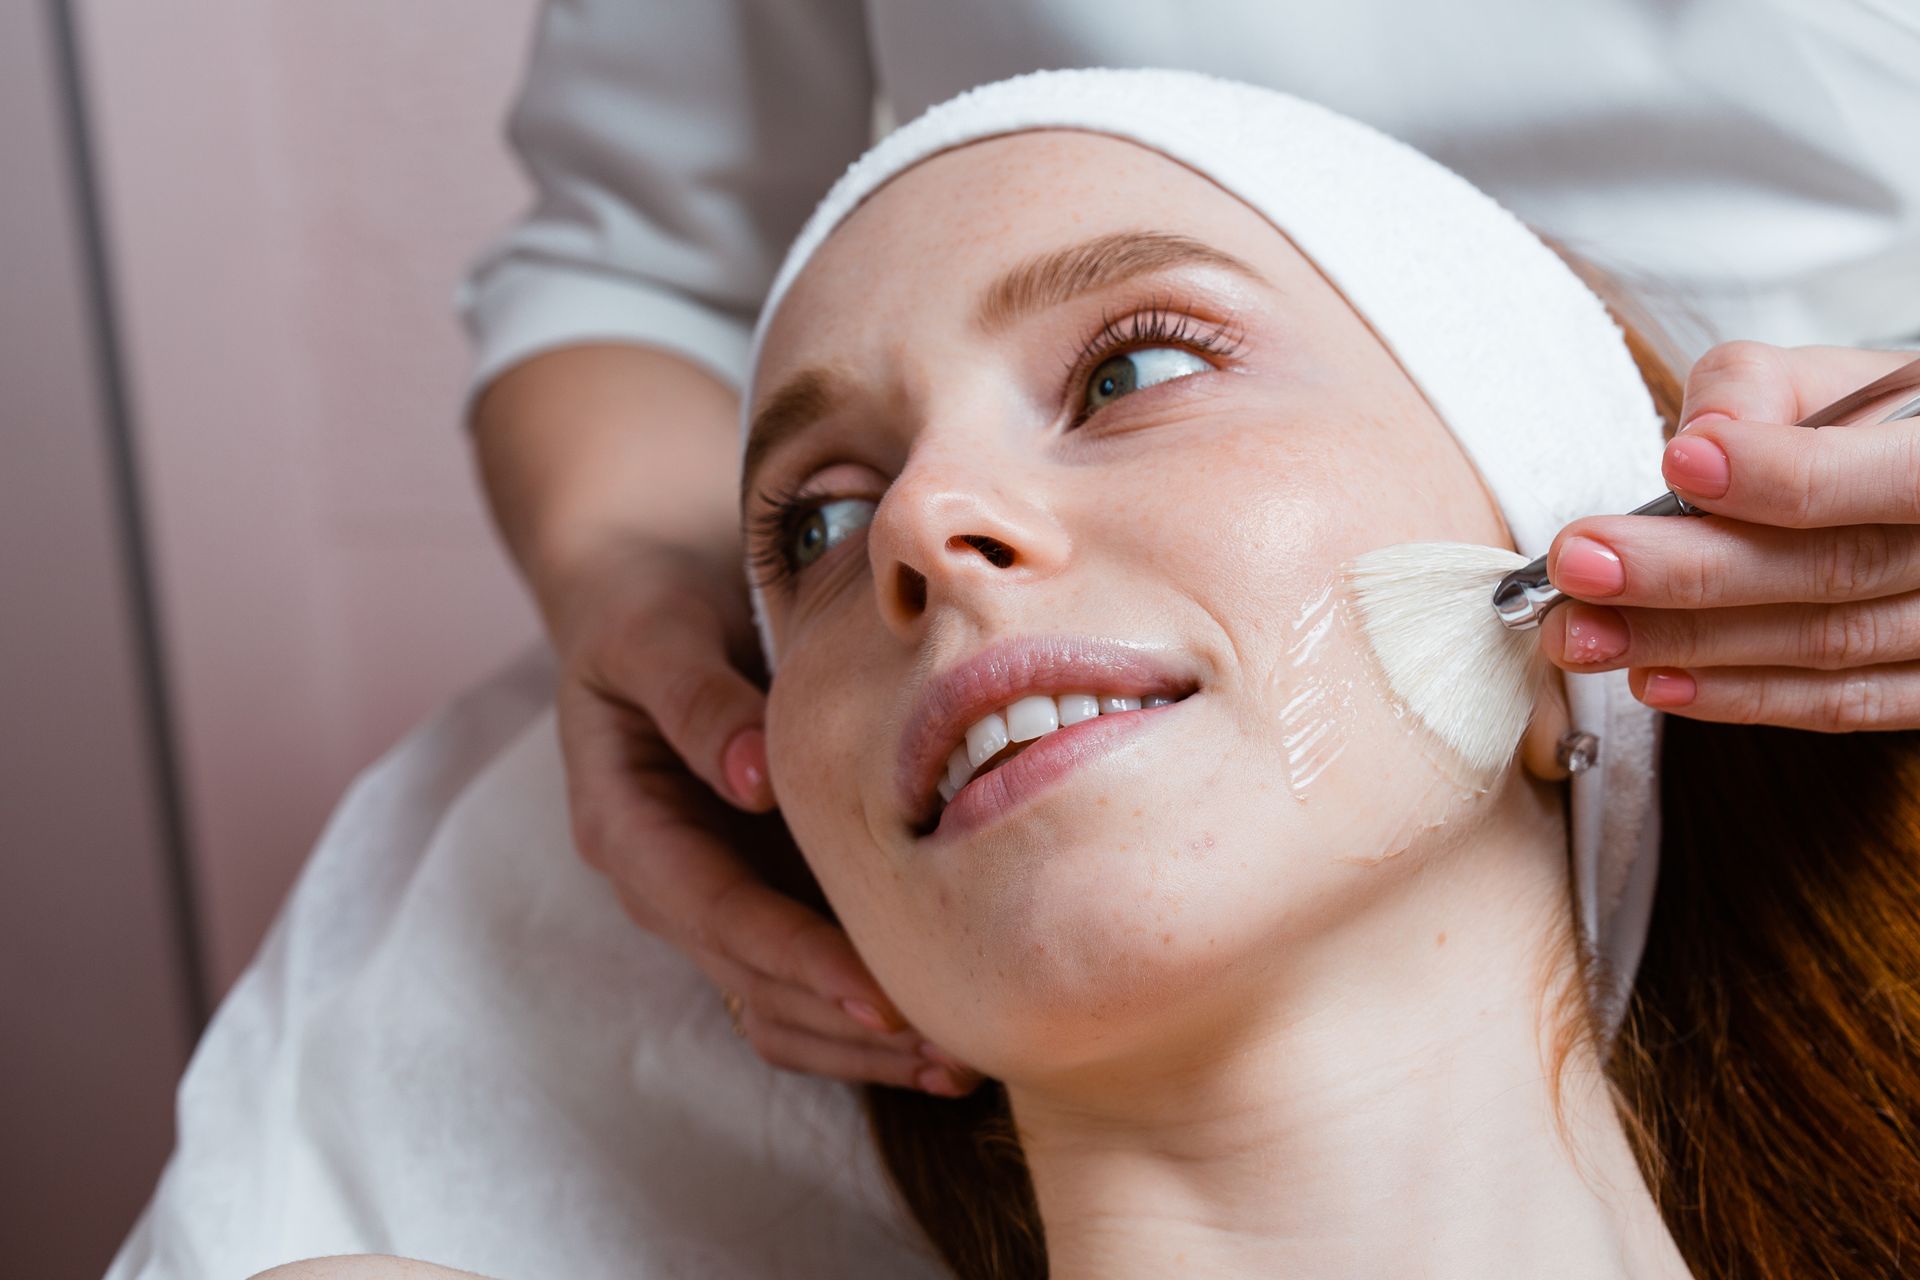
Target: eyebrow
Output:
{"points": [[800, 402], [1043, 281], [1050, 279]]}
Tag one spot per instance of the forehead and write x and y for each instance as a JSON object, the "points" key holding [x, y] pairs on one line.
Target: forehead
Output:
{"points": [[915, 254]]}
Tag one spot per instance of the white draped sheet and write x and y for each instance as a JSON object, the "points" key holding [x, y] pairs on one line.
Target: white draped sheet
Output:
{"points": [[453, 1045]]}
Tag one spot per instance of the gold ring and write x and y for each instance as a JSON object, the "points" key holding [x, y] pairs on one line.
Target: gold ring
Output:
{"points": [[734, 1006]]}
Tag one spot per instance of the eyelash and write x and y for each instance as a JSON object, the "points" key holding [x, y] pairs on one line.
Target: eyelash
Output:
{"points": [[1158, 325], [770, 532]]}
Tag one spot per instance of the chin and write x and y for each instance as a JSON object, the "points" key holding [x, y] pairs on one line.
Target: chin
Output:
{"points": [[1077, 943]]}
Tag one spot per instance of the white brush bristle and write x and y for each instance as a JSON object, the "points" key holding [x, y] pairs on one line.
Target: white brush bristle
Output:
{"points": [[1427, 608]]}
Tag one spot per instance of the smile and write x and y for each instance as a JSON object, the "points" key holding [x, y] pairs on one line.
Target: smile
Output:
{"points": [[1022, 711], [1060, 733], [999, 736]]}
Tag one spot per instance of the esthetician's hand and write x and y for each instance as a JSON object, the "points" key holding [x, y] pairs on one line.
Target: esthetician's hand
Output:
{"points": [[609, 471], [666, 770], [1797, 602]]}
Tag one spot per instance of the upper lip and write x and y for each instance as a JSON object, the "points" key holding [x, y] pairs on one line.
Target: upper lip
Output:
{"points": [[990, 679]]}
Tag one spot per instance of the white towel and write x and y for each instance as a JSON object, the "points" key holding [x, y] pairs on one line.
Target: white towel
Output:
{"points": [[454, 1046], [1516, 355]]}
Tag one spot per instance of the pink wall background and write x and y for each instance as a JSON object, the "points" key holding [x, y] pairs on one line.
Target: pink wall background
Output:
{"points": [[95, 1009], [292, 191]]}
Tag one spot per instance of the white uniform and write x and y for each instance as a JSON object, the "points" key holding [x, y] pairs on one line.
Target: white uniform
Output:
{"points": [[1751, 162]]}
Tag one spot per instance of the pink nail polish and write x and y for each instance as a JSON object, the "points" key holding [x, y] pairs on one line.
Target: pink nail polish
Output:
{"points": [[1668, 687], [935, 1080], [1697, 466], [744, 762], [865, 1014], [1588, 568], [1594, 633]]}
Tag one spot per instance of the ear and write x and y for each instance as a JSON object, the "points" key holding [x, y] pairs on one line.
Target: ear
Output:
{"points": [[1540, 745]]}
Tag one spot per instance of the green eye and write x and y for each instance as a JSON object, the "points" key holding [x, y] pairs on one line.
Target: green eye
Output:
{"points": [[1135, 369], [826, 525]]}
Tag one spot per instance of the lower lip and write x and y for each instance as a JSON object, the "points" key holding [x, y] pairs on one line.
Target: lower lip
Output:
{"points": [[1006, 787]]}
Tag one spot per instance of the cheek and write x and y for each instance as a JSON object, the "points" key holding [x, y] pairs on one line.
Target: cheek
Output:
{"points": [[1251, 525], [1290, 799], [814, 749], [834, 784]]}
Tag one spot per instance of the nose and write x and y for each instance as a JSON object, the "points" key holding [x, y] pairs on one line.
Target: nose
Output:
{"points": [[960, 531]]}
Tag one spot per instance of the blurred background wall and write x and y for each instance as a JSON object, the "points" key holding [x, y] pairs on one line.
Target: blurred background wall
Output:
{"points": [[241, 548]]}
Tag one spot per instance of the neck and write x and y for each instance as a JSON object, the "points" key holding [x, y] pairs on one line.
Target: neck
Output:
{"points": [[1392, 1103]]}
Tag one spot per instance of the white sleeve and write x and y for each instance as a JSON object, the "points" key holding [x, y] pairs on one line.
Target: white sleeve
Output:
{"points": [[675, 150]]}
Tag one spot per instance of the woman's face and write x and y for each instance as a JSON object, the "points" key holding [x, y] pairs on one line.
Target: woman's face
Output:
{"points": [[1131, 470]]}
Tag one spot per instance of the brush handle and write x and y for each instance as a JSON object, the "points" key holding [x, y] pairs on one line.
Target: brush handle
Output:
{"points": [[1524, 596]]}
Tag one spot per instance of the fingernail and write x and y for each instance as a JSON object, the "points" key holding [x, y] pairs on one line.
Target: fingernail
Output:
{"points": [[744, 760], [1595, 633], [938, 1080], [1698, 466], [865, 1014], [1588, 568], [1668, 687], [1698, 418]]}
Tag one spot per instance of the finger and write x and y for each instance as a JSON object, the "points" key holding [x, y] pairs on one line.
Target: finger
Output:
{"points": [[682, 881], [777, 935], [784, 1003], [768, 1005], [793, 1049], [1799, 478], [963, 1076], [797, 1006], [1823, 637], [678, 672], [1667, 562], [1757, 382], [1831, 701], [594, 746], [637, 816]]}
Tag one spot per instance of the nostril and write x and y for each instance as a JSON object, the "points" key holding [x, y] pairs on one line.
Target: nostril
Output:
{"points": [[912, 589], [998, 553]]}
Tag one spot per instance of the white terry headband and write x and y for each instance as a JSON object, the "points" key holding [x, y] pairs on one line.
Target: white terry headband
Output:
{"points": [[1513, 351]]}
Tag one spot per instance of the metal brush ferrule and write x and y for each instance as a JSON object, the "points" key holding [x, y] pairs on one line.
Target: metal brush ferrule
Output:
{"points": [[1524, 596]]}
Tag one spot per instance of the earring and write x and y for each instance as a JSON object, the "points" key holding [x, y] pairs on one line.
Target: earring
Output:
{"points": [[1577, 751]]}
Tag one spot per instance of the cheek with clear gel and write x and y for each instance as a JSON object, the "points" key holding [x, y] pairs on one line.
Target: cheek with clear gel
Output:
{"points": [[1369, 778]]}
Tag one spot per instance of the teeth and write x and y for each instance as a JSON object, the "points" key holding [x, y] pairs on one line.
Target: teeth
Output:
{"points": [[985, 737], [1023, 720], [959, 768], [1075, 707], [1030, 717]]}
